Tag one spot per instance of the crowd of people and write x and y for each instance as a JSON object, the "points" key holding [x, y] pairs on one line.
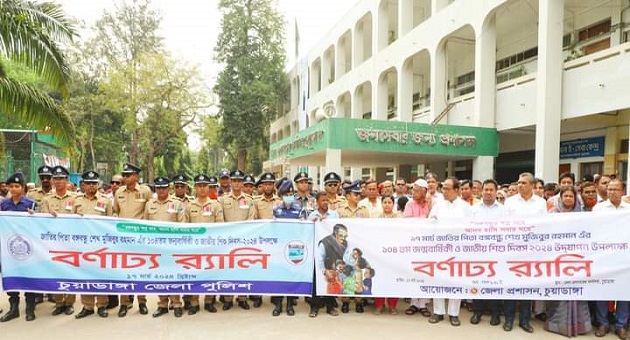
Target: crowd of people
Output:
{"points": [[237, 196]]}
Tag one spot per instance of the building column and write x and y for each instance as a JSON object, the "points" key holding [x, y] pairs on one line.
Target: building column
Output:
{"points": [[437, 5], [549, 88], [438, 81], [610, 151], [379, 98], [405, 17], [357, 45], [333, 161], [405, 92], [485, 90], [356, 104]]}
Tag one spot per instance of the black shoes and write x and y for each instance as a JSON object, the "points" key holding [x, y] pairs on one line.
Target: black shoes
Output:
{"points": [[142, 307], [435, 318], [495, 320], [227, 305], [122, 312], [257, 302], [290, 310], [277, 311], [359, 308], [178, 312], [541, 316], [112, 301], [345, 307], [507, 326], [102, 312], [160, 311], [58, 310], [13, 313], [83, 313], [454, 321], [526, 327], [69, 310], [209, 307], [30, 315], [475, 318], [243, 304], [193, 310]]}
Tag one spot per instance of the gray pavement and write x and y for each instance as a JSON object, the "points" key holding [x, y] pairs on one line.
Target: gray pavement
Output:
{"points": [[253, 324]]}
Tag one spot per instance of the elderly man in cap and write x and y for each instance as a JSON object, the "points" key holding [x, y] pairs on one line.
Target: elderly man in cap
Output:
{"points": [[169, 209], [225, 182], [331, 184], [352, 210], [129, 202], [237, 206], [18, 202], [61, 201], [203, 209], [45, 178], [92, 203]]}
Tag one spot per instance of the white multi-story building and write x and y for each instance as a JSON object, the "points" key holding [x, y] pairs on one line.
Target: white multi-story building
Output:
{"points": [[474, 88]]}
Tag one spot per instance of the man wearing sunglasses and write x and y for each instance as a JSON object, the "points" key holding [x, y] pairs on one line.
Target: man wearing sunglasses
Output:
{"points": [[331, 184]]}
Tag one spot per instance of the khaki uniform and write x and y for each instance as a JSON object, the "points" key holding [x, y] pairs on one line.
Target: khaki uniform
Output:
{"points": [[61, 205], [38, 195], [186, 199], [170, 210], [358, 212], [99, 205], [130, 203], [237, 208], [337, 203], [264, 206], [207, 212]]}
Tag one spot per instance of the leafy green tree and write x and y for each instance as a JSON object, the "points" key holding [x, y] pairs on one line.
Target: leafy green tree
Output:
{"points": [[251, 48], [30, 35]]}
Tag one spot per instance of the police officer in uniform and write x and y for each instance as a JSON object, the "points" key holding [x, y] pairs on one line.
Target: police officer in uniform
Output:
{"points": [[92, 203], [352, 210], [236, 206], [129, 202], [248, 185], [203, 209], [331, 184], [38, 194], [303, 195], [180, 183], [18, 202], [289, 209], [224, 182], [61, 201], [166, 208]]}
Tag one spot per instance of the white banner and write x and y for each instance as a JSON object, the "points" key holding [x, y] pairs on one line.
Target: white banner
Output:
{"points": [[566, 256]]}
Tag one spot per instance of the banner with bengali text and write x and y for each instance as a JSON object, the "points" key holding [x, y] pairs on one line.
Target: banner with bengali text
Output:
{"points": [[566, 256], [95, 255]]}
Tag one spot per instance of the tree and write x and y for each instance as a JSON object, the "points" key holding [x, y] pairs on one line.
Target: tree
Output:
{"points": [[251, 48], [30, 34], [123, 38]]}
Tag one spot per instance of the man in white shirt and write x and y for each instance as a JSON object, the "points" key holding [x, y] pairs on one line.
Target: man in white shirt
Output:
{"points": [[488, 207], [372, 202], [525, 203], [614, 191], [451, 207]]}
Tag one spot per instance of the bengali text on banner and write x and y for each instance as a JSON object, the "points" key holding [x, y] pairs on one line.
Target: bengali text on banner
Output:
{"points": [[77, 254], [568, 256]]}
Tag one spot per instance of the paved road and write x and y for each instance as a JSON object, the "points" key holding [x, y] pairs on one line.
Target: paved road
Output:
{"points": [[253, 324]]}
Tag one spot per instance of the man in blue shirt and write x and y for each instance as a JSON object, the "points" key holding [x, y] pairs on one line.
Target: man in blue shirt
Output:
{"points": [[18, 202]]}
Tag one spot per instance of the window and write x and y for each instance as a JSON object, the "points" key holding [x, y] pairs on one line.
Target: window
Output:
{"points": [[594, 30], [517, 58], [623, 148], [591, 169]]}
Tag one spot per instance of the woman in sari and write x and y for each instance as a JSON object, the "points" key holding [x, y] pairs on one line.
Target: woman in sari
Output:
{"points": [[569, 318], [388, 212]]}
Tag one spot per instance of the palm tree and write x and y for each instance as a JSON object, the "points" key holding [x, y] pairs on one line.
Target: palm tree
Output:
{"points": [[30, 34]]}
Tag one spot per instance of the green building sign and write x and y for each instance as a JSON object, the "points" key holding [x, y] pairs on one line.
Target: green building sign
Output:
{"points": [[388, 136]]}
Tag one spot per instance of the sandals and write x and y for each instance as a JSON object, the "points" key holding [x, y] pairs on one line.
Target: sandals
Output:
{"points": [[425, 312], [412, 310]]}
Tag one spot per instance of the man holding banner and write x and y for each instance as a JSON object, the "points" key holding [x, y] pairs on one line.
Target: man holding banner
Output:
{"points": [[523, 204], [18, 202], [92, 203], [451, 207]]}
